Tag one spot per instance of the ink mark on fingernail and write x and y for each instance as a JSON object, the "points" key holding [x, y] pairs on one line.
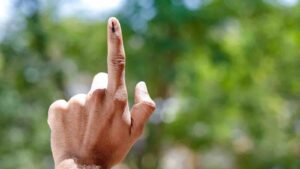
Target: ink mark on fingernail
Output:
{"points": [[113, 27]]}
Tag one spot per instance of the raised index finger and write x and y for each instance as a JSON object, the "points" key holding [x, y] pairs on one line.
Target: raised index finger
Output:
{"points": [[116, 56]]}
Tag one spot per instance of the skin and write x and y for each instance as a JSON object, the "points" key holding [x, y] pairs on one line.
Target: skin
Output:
{"points": [[97, 129]]}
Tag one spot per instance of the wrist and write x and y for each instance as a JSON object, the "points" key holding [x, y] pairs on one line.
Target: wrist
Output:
{"points": [[72, 164]]}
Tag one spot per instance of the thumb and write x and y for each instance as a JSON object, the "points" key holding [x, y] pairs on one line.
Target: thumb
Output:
{"points": [[142, 109]]}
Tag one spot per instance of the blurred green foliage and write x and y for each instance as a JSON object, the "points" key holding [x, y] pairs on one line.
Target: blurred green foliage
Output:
{"points": [[225, 75]]}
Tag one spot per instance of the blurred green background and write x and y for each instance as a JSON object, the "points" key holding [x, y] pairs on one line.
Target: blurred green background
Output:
{"points": [[225, 75]]}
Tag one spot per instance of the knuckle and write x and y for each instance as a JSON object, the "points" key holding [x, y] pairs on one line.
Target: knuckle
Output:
{"points": [[100, 74], [98, 93], [58, 105], [118, 60], [120, 100], [120, 97], [56, 109], [149, 105], [78, 100]]}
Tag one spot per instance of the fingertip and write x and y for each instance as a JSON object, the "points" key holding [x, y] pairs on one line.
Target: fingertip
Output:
{"points": [[112, 19], [142, 86], [141, 93], [58, 105], [141, 83], [114, 25]]}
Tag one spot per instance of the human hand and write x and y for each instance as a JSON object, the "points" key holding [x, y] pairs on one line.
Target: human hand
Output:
{"points": [[96, 130]]}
